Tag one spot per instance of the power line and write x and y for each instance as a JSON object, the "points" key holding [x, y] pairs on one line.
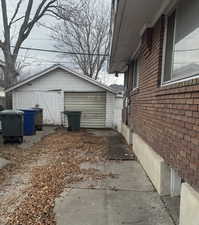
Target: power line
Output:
{"points": [[45, 60], [62, 52], [47, 63]]}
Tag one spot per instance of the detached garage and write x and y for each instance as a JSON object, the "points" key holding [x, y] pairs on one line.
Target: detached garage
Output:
{"points": [[59, 89]]}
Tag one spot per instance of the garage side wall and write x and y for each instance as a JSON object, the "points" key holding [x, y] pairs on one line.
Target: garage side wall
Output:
{"points": [[110, 105], [117, 121]]}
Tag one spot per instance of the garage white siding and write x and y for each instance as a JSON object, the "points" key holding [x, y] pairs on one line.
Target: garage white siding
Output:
{"points": [[92, 106], [96, 101], [60, 79], [117, 121], [51, 102], [110, 104]]}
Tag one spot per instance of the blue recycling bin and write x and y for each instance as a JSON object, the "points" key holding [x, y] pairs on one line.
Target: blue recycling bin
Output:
{"points": [[29, 122]]}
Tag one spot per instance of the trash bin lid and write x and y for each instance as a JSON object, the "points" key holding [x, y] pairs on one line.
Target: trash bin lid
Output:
{"points": [[37, 109], [11, 112], [72, 112], [27, 110]]}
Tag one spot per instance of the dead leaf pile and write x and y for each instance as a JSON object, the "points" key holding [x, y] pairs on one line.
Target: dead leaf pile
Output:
{"points": [[65, 152]]}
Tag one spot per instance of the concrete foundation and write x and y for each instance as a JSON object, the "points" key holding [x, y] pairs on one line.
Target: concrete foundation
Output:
{"points": [[189, 206], [155, 166], [126, 133], [176, 184]]}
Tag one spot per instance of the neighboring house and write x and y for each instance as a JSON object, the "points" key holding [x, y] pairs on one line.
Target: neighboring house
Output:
{"points": [[59, 89], [155, 43], [117, 88], [190, 68]]}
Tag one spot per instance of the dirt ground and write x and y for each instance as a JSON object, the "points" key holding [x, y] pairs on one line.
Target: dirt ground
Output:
{"points": [[87, 177], [38, 174]]}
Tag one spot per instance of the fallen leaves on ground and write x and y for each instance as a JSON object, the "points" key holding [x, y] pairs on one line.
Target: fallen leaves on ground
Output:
{"points": [[65, 152]]}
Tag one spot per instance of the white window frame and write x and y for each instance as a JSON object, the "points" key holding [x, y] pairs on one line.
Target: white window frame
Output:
{"points": [[136, 59], [172, 80], [165, 49]]}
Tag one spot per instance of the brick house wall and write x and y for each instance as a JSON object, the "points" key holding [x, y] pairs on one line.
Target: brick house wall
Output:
{"points": [[166, 117]]}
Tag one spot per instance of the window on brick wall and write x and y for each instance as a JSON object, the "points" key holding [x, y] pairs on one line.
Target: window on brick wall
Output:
{"points": [[126, 78], [135, 71], [182, 42], [169, 46]]}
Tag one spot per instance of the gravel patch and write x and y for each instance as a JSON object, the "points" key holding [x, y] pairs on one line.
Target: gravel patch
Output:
{"points": [[37, 176]]}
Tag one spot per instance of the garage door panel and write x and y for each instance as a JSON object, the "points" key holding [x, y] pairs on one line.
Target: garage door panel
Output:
{"points": [[92, 106]]}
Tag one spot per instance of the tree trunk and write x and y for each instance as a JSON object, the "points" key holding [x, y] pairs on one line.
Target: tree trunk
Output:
{"points": [[10, 72], [10, 77], [8, 100]]}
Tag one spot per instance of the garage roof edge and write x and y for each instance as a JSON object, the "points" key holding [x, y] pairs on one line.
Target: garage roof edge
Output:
{"points": [[54, 67]]}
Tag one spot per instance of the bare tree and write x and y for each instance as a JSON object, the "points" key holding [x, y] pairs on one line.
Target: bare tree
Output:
{"points": [[22, 62], [86, 35], [27, 23]]}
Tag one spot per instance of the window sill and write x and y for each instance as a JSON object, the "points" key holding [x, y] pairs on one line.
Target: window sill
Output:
{"points": [[190, 81], [183, 86]]}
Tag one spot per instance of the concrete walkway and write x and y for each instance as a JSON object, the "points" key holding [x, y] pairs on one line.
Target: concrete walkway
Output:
{"points": [[126, 198]]}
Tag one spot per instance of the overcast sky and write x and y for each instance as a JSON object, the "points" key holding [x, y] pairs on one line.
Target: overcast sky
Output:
{"points": [[41, 38]]}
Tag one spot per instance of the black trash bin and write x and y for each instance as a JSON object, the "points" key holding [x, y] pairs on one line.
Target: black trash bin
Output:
{"points": [[12, 125], [1, 109], [74, 118]]}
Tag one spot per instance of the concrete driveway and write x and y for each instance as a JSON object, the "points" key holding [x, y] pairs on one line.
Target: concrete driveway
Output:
{"points": [[127, 197]]}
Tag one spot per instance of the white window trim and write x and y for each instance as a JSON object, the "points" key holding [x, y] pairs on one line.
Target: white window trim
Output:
{"points": [[165, 48], [173, 80], [180, 80], [138, 73]]}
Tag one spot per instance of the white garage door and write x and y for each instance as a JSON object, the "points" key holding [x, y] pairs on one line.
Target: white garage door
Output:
{"points": [[92, 106]]}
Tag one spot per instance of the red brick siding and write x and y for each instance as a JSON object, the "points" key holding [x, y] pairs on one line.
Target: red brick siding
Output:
{"points": [[167, 118]]}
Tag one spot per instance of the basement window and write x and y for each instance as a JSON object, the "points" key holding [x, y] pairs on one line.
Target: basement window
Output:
{"points": [[181, 57], [135, 70]]}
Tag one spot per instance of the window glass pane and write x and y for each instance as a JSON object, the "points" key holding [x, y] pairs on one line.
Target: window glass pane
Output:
{"points": [[135, 73], [186, 51], [126, 80], [132, 71], [125, 83], [169, 46]]}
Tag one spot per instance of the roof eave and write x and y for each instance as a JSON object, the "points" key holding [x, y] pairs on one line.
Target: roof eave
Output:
{"points": [[133, 17], [54, 67]]}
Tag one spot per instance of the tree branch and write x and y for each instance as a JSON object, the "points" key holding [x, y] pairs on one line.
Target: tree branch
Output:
{"points": [[15, 13], [88, 32], [28, 25]]}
